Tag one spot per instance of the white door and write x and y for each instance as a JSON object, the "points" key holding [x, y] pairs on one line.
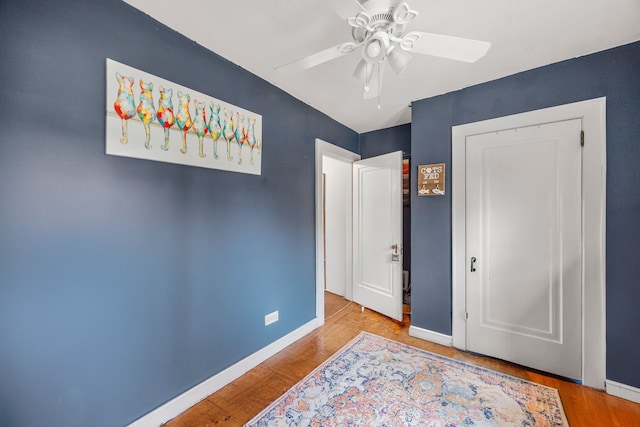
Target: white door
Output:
{"points": [[524, 249], [377, 234]]}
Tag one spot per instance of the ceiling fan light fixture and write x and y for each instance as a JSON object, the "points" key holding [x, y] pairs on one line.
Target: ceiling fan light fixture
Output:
{"points": [[363, 71], [375, 49], [398, 60]]}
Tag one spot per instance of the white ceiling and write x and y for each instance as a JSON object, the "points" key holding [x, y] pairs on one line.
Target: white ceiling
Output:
{"points": [[260, 35]]}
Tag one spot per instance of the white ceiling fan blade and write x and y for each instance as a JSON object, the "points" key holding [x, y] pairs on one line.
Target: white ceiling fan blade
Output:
{"points": [[318, 58], [345, 8], [450, 47]]}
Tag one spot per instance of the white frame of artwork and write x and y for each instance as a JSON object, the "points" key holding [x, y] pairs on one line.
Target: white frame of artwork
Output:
{"points": [[132, 137]]}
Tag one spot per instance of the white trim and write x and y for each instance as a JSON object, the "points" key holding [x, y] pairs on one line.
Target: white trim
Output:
{"points": [[323, 149], [428, 335], [593, 115], [624, 391], [186, 400]]}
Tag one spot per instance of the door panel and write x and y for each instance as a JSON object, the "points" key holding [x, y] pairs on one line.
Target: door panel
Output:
{"points": [[524, 230], [377, 227]]}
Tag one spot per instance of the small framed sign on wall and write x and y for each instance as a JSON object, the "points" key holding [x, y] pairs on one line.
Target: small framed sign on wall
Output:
{"points": [[431, 179]]}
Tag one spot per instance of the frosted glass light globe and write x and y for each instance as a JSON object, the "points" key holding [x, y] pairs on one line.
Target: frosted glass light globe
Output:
{"points": [[373, 49]]}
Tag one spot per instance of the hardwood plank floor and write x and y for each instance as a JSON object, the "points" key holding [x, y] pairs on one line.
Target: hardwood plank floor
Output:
{"points": [[333, 304], [242, 399]]}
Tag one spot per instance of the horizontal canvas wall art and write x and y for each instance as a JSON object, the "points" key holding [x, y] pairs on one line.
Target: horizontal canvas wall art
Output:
{"points": [[152, 118]]}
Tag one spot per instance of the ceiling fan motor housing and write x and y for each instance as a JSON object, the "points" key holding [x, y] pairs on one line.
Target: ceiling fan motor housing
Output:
{"points": [[380, 21]]}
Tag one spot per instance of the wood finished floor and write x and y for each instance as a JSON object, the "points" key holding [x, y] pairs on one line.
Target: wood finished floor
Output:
{"points": [[241, 400]]}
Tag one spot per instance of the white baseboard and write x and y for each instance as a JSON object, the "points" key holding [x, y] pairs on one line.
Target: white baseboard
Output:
{"points": [[622, 390], [428, 335], [186, 400]]}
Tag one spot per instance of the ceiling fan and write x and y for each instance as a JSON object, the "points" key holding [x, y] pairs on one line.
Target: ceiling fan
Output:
{"points": [[379, 28]]}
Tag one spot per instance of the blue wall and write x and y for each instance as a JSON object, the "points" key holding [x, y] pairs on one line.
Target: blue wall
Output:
{"points": [[125, 282], [383, 141], [613, 73]]}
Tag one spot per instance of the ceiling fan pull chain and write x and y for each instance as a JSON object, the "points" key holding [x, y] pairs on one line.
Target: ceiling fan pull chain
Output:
{"points": [[365, 83], [379, 84]]}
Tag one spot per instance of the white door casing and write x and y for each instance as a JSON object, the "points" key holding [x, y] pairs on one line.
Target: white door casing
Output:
{"points": [[523, 243], [377, 227], [593, 114]]}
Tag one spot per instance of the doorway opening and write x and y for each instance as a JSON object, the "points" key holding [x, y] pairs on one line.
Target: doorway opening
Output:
{"points": [[339, 158], [359, 237]]}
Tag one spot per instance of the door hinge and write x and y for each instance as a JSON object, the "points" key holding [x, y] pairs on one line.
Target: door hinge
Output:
{"points": [[466, 315], [582, 138]]}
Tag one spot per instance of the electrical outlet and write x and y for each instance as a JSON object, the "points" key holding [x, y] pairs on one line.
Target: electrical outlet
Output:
{"points": [[271, 318]]}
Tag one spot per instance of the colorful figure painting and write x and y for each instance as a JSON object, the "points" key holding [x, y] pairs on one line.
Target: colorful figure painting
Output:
{"points": [[200, 126], [165, 114], [139, 124], [146, 111], [215, 129], [124, 105]]}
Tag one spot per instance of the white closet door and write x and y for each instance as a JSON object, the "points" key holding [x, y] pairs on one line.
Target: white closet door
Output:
{"points": [[524, 247]]}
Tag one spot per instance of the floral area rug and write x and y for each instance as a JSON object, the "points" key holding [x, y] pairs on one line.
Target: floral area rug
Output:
{"points": [[373, 381]]}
